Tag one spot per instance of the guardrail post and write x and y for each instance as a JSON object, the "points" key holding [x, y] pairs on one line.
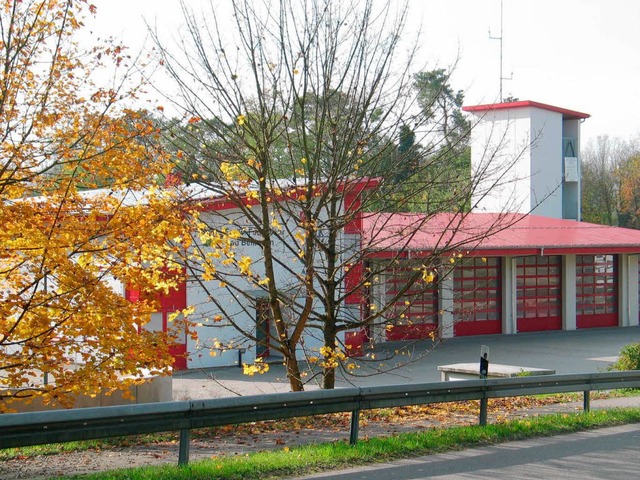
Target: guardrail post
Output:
{"points": [[484, 404], [355, 425], [586, 401], [183, 449], [483, 411]]}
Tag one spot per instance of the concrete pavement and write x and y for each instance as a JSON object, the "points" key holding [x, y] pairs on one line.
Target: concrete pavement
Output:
{"points": [[415, 362]]}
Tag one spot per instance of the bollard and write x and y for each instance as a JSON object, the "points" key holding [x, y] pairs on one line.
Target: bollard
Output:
{"points": [[484, 371]]}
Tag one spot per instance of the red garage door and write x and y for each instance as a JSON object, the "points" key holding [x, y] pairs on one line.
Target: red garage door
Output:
{"points": [[414, 313], [538, 293], [596, 291], [477, 297]]}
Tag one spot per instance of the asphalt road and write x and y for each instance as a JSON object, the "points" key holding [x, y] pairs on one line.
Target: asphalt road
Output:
{"points": [[609, 453]]}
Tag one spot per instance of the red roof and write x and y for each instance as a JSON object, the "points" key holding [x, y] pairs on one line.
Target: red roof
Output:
{"points": [[509, 234], [214, 197], [566, 113]]}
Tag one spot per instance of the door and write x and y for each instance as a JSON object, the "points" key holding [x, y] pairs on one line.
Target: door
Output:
{"points": [[263, 326]]}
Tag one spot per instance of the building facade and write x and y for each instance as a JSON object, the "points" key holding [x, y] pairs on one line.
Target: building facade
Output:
{"points": [[537, 274], [538, 267], [522, 260]]}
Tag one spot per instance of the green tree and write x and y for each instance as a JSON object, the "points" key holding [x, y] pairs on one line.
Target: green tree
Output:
{"points": [[608, 171], [443, 107], [433, 177]]}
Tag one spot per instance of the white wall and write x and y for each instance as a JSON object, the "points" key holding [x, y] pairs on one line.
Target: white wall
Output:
{"points": [[516, 157], [500, 159], [239, 306], [546, 163]]}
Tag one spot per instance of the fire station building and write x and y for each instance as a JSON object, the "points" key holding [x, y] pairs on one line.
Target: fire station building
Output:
{"points": [[545, 270]]}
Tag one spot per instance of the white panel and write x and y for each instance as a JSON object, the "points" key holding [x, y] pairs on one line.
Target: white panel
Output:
{"points": [[155, 324], [571, 169], [568, 292]]}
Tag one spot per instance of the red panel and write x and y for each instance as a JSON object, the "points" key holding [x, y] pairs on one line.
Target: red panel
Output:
{"points": [[539, 324], [352, 205], [485, 327], [418, 331], [596, 321], [132, 294], [354, 343], [178, 349], [179, 352], [352, 279], [355, 225], [174, 299]]}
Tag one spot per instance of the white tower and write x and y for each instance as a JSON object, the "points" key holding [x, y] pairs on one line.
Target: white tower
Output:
{"points": [[525, 156]]}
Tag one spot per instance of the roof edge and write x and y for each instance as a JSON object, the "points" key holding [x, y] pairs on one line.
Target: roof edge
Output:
{"points": [[566, 113]]}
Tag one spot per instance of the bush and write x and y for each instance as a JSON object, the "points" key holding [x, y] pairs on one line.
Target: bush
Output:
{"points": [[629, 358]]}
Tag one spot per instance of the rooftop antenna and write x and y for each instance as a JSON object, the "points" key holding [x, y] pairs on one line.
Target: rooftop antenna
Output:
{"points": [[500, 39]]}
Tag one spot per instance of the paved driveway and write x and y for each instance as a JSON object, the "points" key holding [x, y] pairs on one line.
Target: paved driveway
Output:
{"points": [[566, 352]]}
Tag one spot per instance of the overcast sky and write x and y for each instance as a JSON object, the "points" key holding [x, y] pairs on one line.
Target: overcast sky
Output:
{"points": [[578, 54]]}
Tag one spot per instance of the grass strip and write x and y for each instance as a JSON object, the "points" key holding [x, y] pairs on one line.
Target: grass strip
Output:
{"points": [[304, 459], [396, 414]]}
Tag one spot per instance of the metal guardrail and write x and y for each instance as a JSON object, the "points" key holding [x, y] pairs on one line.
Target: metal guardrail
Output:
{"points": [[38, 428]]}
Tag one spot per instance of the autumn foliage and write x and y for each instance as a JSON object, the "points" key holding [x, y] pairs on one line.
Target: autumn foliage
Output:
{"points": [[630, 192], [81, 211]]}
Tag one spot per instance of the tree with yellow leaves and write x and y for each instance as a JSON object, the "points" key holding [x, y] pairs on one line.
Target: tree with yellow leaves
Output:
{"points": [[67, 248]]}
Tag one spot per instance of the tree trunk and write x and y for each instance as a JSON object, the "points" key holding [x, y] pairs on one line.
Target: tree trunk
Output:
{"points": [[293, 372], [329, 373]]}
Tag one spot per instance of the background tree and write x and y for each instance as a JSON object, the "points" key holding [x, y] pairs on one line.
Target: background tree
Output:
{"points": [[68, 249], [437, 169], [608, 182], [311, 112], [443, 107], [629, 214]]}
